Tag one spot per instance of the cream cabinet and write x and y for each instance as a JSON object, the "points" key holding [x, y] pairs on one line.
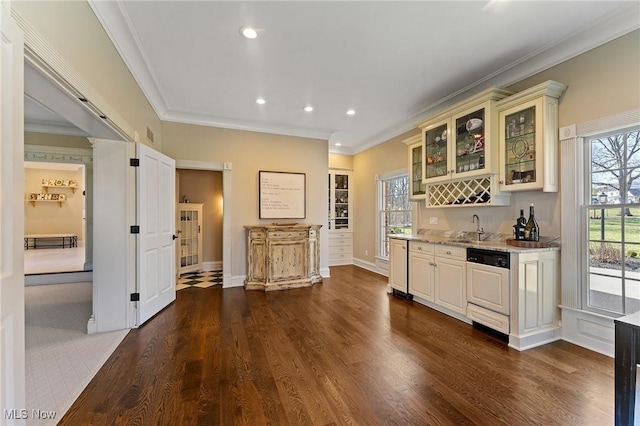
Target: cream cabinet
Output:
{"points": [[528, 124], [398, 264], [421, 270], [450, 284], [417, 187], [535, 313], [282, 257], [190, 237], [340, 193], [462, 142]]}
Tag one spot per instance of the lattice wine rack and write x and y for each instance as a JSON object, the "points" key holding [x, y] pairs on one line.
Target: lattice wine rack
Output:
{"points": [[480, 191]]}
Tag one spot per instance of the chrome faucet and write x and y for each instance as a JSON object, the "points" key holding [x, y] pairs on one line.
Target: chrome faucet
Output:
{"points": [[479, 231]]}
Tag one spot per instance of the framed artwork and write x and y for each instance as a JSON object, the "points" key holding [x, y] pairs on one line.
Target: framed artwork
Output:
{"points": [[55, 196], [282, 195], [62, 197]]}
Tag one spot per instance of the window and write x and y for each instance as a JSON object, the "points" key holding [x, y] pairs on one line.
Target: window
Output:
{"points": [[394, 210], [613, 222]]}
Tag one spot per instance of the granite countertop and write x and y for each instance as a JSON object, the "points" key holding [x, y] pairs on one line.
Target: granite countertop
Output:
{"points": [[490, 241]]}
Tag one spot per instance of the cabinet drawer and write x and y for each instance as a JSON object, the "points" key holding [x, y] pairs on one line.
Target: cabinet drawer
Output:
{"points": [[421, 247], [336, 250], [342, 242], [489, 318], [451, 252], [287, 234], [339, 256], [256, 235]]}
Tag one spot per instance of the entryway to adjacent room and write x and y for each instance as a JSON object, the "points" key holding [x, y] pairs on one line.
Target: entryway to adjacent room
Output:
{"points": [[199, 228]]}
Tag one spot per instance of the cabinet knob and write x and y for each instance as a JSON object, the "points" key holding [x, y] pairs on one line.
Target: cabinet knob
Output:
{"points": [[420, 248], [448, 251], [501, 182]]}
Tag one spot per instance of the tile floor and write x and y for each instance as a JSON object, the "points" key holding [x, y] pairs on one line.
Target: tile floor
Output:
{"points": [[199, 279]]}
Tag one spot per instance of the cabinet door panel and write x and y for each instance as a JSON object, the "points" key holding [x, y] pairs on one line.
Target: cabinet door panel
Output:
{"points": [[287, 260], [451, 288], [398, 264], [421, 276]]}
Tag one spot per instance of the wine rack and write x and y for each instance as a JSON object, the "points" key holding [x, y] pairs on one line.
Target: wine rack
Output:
{"points": [[470, 192]]}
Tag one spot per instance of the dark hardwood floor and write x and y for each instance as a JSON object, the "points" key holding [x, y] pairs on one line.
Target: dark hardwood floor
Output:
{"points": [[340, 352]]}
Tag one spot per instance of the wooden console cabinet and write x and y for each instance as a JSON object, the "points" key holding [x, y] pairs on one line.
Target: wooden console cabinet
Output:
{"points": [[282, 257]]}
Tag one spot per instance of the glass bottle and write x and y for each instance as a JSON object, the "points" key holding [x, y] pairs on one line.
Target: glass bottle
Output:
{"points": [[531, 229], [518, 228]]}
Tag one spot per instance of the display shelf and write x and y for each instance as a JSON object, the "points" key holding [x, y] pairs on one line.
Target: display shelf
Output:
{"points": [[72, 188], [33, 202]]}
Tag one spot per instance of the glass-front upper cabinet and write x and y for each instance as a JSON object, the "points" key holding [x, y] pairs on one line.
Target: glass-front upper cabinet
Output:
{"points": [[470, 141], [339, 201], [436, 151], [520, 146], [529, 139], [417, 188]]}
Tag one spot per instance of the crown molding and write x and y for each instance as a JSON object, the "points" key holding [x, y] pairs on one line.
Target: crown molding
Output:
{"points": [[126, 42], [203, 120]]}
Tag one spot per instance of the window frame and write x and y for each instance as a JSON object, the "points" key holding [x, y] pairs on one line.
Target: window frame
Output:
{"points": [[381, 179], [589, 205]]}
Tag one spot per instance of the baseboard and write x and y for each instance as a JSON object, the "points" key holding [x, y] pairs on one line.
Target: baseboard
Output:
{"points": [[373, 267], [325, 272], [215, 265], [229, 281], [533, 340], [58, 278]]}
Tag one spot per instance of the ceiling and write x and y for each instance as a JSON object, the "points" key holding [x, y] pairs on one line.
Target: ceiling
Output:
{"points": [[394, 63]]}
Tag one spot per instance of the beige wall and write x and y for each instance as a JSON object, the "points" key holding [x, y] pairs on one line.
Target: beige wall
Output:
{"points": [[250, 152], [341, 161], [601, 82], [73, 30], [387, 157], [50, 217], [205, 186]]}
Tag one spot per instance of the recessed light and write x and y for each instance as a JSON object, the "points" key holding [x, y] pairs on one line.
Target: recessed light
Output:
{"points": [[351, 112], [308, 108], [248, 32], [260, 101], [338, 144]]}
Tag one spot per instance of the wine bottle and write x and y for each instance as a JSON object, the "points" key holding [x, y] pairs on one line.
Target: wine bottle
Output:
{"points": [[532, 230], [518, 228], [522, 222]]}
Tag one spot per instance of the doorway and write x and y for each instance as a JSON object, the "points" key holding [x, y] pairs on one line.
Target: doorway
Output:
{"points": [[54, 218], [199, 192]]}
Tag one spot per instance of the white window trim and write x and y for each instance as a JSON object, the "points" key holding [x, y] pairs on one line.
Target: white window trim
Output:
{"points": [[585, 328], [380, 177]]}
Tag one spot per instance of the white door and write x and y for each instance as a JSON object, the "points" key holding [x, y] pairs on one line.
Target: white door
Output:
{"points": [[156, 177], [12, 350]]}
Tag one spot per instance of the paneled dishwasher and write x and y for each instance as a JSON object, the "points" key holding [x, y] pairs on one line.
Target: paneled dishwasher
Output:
{"points": [[488, 290]]}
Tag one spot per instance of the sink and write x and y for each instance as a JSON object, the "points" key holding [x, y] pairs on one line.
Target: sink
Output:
{"points": [[475, 243]]}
